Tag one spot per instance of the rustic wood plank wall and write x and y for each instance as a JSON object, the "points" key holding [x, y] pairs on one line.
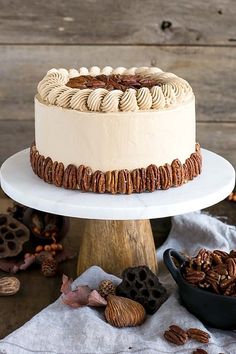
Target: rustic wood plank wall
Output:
{"points": [[194, 39]]}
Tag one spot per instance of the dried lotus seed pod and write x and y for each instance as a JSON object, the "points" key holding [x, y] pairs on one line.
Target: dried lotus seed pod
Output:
{"points": [[142, 285], [13, 234]]}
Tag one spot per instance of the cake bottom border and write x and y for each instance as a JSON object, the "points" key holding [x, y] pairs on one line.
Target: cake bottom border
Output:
{"points": [[124, 181]]}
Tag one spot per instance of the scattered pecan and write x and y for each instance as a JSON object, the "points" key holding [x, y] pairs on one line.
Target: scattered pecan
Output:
{"points": [[176, 335], [200, 351], [198, 335]]}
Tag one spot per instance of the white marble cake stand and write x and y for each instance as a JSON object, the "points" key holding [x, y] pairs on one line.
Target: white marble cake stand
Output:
{"points": [[117, 231]]}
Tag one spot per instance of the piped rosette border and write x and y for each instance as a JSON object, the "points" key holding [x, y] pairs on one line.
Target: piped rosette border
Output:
{"points": [[124, 181], [168, 91]]}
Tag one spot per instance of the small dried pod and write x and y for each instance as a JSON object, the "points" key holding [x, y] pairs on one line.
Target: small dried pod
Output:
{"points": [[123, 312], [106, 287], [9, 286]]}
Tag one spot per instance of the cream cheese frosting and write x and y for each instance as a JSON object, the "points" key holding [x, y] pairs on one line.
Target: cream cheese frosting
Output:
{"points": [[170, 92], [118, 140]]}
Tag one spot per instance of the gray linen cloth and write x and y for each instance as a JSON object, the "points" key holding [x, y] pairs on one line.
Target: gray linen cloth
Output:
{"points": [[62, 330]]}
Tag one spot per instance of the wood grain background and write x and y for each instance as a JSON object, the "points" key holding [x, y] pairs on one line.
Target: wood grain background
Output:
{"points": [[194, 39]]}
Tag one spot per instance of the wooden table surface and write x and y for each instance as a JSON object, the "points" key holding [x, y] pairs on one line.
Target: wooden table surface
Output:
{"points": [[37, 291]]}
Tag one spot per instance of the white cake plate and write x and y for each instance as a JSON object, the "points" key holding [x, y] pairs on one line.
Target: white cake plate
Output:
{"points": [[214, 184]]}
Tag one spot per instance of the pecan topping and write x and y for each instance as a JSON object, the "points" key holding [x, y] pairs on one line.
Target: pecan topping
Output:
{"points": [[70, 177], [198, 334], [197, 162], [123, 181], [57, 173], [176, 335], [186, 176], [166, 176], [114, 182], [151, 178], [177, 173], [129, 188], [143, 180], [40, 166], [48, 170], [101, 183], [86, 179], [80, 172], [111, 82], [108, 181], [190, 165], [136, 178]]}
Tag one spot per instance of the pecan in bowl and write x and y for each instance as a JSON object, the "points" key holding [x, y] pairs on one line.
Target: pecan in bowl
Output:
{"points": [[207, 285]]}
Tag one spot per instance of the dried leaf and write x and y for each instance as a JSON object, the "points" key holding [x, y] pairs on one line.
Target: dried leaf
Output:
{"points": [[10, 266], [27, 262], [95, 299], [66, 284], [78, 297]]}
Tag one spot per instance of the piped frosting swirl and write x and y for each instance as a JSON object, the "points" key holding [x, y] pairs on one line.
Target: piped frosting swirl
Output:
{"points": [[168, 90]]}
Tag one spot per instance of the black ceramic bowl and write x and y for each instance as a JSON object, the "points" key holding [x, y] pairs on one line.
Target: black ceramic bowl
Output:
{"points": [[214, 310]]}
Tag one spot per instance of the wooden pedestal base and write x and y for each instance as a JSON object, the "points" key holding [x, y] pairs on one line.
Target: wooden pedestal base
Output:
{"points": [[116, 245]]}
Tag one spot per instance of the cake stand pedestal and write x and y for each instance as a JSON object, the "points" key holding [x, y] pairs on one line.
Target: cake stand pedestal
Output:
{"points": [[116, 231]]}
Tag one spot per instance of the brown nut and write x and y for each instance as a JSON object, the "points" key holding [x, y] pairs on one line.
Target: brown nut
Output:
{"points": [[176, 335], [9, 286], [198, 335], [200, 351]]}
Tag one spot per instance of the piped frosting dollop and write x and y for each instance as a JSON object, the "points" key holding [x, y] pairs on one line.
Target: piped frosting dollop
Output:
{"points": [[156, 90]]}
